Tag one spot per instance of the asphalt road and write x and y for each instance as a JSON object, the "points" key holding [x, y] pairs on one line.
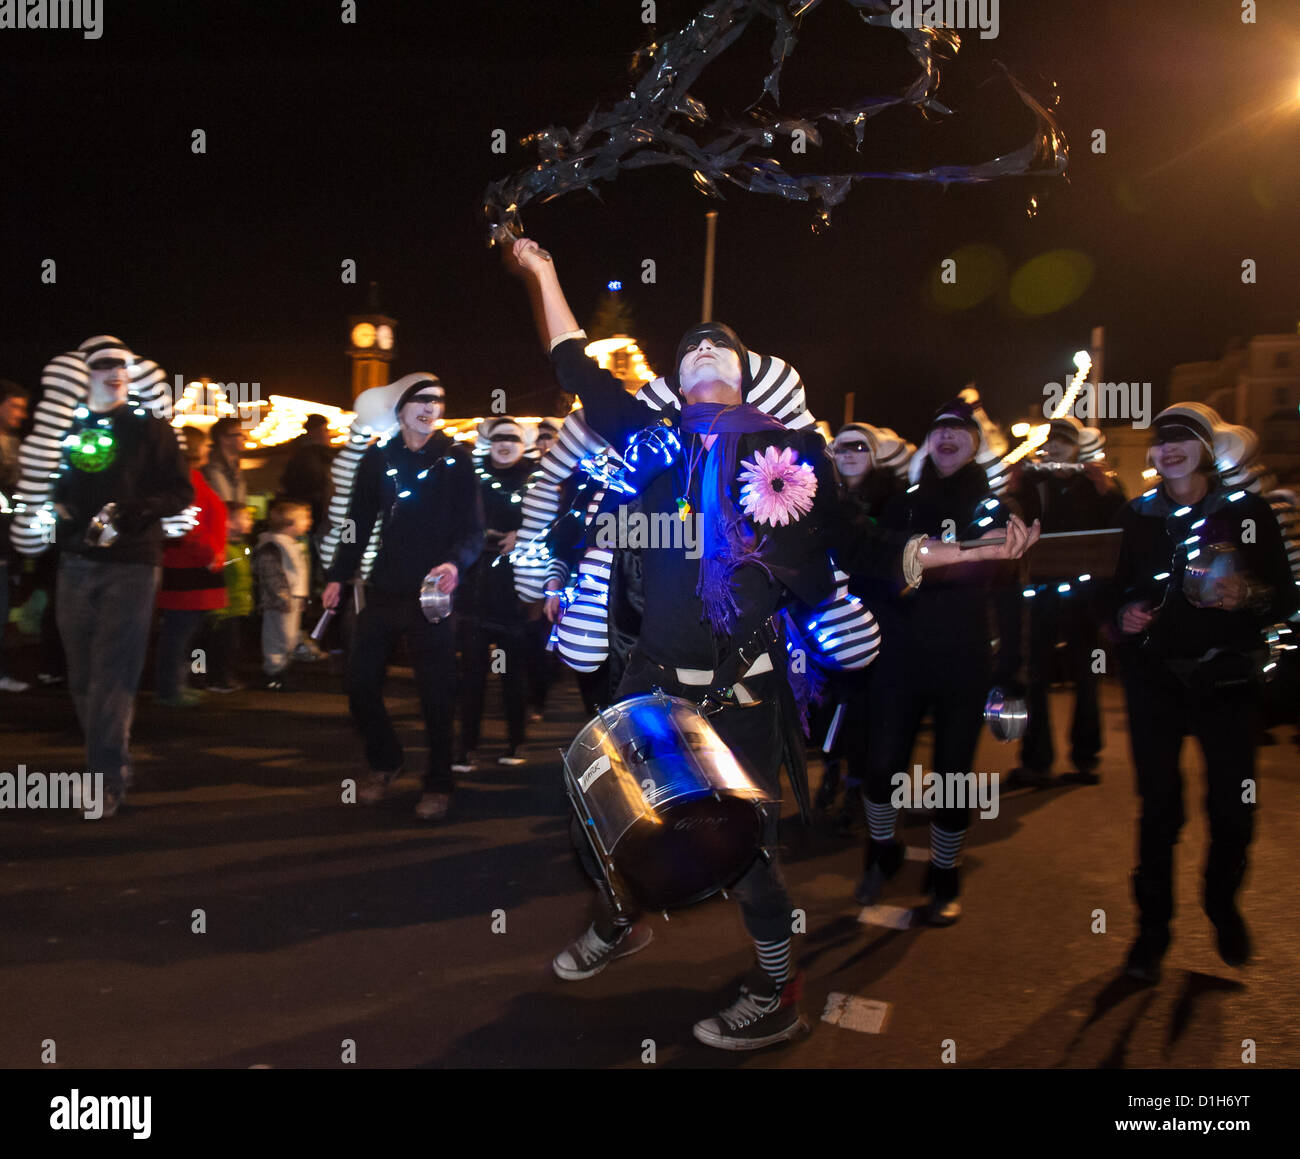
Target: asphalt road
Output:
{"points": [[327, 922]]}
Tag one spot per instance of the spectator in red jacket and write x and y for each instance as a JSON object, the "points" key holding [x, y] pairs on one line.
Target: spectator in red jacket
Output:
{"points": [[193, 582]]}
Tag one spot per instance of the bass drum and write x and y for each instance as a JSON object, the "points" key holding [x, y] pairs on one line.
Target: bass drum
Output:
{"points": [[666, 806]]}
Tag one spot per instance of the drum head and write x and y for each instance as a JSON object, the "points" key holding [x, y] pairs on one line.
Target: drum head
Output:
{"points": [[697, 848], [665, 799]]}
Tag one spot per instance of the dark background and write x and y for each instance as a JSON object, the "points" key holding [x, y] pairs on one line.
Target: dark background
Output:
{"points": [[371, 141]]}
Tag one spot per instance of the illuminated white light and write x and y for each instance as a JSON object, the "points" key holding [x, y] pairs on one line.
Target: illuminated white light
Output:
{"points": [[1236, 495], [1162, 575], [1087, 575], [1187, 510], [1062, 588], [1029, 592], [1198, 523], [1020, 430]]}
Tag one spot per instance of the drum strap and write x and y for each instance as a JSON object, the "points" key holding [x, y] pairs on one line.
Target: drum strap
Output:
{"points": [[743, 658], [767, 639]]}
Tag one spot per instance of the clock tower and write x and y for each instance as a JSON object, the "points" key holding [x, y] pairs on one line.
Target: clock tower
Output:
{"points": [[370, 346]]}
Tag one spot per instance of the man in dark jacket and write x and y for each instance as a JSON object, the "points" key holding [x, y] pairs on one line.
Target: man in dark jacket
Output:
{"points": [[13, 414], [306, 476], [1202, 570], [759, 496], [122, 474], [490, 613], [1065, 495], [421, 487]]}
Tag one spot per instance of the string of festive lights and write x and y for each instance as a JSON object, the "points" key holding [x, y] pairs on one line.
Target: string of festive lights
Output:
{"points": [[1038, 434]]}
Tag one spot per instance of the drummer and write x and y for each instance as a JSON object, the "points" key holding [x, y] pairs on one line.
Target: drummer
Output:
{"points": [[707, 635], [421, 488]]}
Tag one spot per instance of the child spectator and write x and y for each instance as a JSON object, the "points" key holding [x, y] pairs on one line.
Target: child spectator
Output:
{"points": [[192, 583], [283, 571], [225, 625]]}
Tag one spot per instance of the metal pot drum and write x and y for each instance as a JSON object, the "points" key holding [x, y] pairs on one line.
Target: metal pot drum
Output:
{"points": [[667, 807], [434, 602], [1007, 716], [1213, 562]]}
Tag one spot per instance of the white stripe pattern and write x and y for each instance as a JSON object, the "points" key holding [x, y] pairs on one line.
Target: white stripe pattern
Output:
{"points": [[65, 385]]}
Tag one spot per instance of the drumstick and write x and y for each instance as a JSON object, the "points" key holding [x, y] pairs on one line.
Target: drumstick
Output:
{"points": [[324, 622]]}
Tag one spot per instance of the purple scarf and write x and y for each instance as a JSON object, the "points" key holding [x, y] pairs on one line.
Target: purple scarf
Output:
{"points": [[729, 542]]}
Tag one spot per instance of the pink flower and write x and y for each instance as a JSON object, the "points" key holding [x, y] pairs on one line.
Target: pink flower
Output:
{"points": [[777, 487]]}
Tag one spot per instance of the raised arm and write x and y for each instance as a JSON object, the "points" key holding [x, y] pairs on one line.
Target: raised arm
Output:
{"points": [[551, 310], [611, 411]]}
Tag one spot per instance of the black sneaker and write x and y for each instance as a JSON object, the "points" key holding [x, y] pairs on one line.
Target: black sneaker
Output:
{"points": [[943, 908], [761, 1016], [1144, 956], [590, 954], [884, 860]]}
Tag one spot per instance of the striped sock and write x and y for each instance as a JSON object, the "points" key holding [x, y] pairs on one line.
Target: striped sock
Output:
{"points": [[774, 958], [881, 820], [945, 847]]}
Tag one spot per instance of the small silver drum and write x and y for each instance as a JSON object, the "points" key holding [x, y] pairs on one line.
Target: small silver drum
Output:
{"points": [[670, 814], [1213, 562], [1007, 716], [434, 602]]}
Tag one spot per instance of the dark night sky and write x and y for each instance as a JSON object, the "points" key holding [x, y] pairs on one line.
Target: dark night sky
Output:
{"points": [[371, 142]]}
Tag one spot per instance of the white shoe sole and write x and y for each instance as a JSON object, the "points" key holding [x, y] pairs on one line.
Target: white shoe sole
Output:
{"points": [[575, 974], [710, 1037]]}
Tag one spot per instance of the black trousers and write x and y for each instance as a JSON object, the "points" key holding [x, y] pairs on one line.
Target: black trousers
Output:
{"points": [[431, 648], [1162, 710], [223, 638], [753, 735], [543, 666], [915, 678], [477, 654], [1068, 619]]}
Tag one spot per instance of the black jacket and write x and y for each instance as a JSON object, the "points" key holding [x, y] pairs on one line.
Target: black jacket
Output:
{"points": [[1066, 500], [956, 610], [1156, 531], [677, 631], [147, 478], [487, 590], [438, 520], [307, 476]]}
